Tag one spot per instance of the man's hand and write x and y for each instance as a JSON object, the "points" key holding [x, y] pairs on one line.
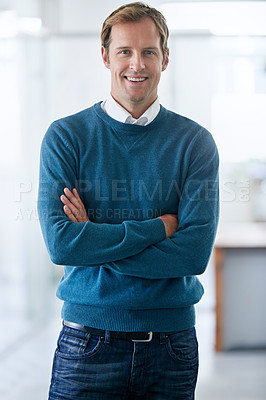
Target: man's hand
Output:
{"points": [[73, 206], [170, 223]]}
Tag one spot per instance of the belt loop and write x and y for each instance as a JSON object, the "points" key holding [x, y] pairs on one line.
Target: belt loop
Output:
{"points": [[107, 337], [162, 338]]}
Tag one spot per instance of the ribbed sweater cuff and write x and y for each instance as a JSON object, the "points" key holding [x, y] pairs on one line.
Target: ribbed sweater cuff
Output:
{"points": [[154, 230]]}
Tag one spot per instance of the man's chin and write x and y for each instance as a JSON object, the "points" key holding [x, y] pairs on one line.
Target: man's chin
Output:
{"points": [[136, 99]]}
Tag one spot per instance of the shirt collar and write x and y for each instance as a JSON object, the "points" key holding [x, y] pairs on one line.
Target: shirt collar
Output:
{"points": [[116, 111]]}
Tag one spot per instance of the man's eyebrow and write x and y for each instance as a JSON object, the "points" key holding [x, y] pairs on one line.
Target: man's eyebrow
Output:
{"points": [[123, 47], [144, 48], [151, 48]]}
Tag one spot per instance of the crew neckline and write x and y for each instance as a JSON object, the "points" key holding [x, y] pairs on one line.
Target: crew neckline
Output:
{"points": [[123, 126], [119, 113]]}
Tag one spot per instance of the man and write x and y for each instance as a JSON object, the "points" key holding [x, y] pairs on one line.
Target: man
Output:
{"points": [[128, 202]]}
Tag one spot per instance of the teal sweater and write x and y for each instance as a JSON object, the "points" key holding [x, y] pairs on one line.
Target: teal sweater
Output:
{"points": [[121, 273]]}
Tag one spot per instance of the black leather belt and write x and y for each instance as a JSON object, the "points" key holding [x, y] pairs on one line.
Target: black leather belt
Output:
{"points": [[133, 336]]}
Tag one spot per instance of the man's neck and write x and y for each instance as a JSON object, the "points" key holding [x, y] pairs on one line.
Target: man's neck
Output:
{"points": [[135, 110]]}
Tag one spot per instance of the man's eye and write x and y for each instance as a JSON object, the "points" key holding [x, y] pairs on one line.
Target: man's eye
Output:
{"points": [[124, 52], [149, 52]]}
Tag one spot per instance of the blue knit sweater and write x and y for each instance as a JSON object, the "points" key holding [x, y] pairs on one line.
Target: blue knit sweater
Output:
{"points": [[121, 273]]}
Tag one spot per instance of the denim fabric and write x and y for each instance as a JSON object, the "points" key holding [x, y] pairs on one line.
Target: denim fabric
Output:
{"points": [[90, 367]]}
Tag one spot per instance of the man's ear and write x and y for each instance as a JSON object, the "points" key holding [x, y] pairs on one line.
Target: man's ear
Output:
{"points": [[166, 61], [105, 57]]}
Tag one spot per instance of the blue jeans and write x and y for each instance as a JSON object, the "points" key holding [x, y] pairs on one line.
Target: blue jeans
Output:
{"points": [[86, 366]]}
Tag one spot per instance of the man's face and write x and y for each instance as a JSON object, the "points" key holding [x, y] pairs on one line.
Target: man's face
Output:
{"points": [[135, 60]]}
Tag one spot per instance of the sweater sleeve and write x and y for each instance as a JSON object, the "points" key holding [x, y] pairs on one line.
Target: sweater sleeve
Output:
{"points": [[187, 252], [82, 244]]}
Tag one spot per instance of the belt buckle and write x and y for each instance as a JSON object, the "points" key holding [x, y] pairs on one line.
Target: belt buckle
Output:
{"points": [[145, 340]]}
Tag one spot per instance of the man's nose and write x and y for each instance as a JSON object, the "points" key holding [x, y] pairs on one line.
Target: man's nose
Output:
{"points": [[137, 63]]}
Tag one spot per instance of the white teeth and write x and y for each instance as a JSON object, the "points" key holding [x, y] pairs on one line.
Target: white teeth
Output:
{"points": [[135, 79]]}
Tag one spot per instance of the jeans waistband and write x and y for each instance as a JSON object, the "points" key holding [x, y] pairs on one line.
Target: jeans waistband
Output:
{"points": [[133, 336]]}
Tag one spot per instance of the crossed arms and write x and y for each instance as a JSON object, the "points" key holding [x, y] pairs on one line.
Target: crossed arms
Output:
{"points": [[156, 248], [76, 212]]}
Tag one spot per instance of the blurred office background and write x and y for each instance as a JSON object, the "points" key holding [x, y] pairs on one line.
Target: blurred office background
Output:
{"points": [[50, 66]]}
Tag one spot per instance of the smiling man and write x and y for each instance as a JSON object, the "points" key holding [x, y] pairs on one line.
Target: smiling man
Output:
{"points": [[136, 60], [128, 203]]}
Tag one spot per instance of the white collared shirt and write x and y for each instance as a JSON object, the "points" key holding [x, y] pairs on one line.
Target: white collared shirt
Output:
{"points": [[114, 110]]}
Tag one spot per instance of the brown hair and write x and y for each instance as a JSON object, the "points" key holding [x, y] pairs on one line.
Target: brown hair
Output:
{"points": [[133, 12]]}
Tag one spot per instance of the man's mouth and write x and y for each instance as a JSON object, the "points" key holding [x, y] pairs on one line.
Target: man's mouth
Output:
{"points": [[133, 79]]}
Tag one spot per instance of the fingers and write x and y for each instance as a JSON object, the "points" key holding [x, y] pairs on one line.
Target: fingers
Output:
{"points": [[75, 192], [69, 214], [73, 206], [73, 197]]}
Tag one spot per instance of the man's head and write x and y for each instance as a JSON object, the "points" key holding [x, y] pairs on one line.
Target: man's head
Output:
{"points": [[134, 48], [134, 12]]}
